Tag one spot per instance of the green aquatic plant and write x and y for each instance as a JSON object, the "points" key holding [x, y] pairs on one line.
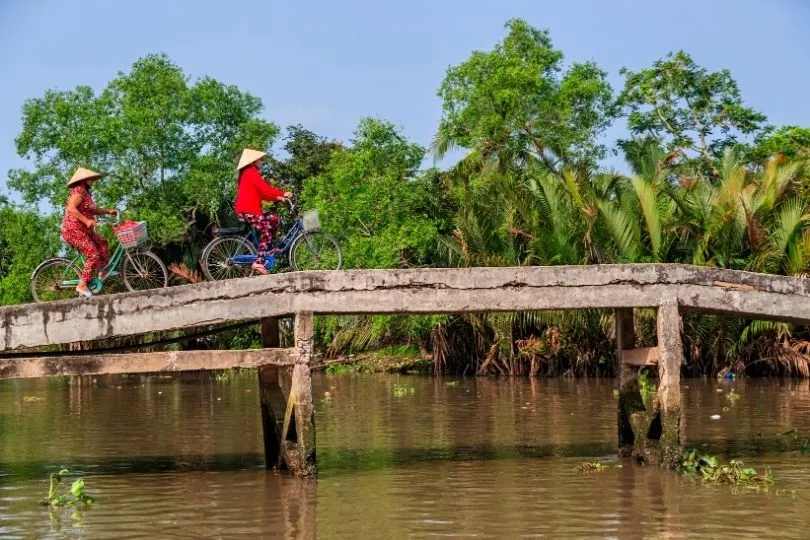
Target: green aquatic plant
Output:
{"points": [[591, 466], [711, 471], [401, 390], [732, 396], [60, 495]]}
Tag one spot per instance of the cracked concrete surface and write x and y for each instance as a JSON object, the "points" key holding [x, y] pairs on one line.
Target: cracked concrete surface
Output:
{"points": [[434, 290]]}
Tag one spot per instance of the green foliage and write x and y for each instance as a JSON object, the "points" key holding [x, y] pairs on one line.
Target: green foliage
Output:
{"points": [[789, 141], [26, 239], [341, 368], [372, 199], [309, 154], [646, 388], [515, 104], [711, 471], [528, 192], [168, 144], [60, 495], [691, 111]]}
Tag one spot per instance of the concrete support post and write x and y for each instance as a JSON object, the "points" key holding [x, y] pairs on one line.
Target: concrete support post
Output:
{"points": [[286, 401], [301, 395], [651, 433], [629, 395], [669, 381], [272, 398]]}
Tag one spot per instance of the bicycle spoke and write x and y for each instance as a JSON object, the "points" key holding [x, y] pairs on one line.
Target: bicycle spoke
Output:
{"points": [[219, 264], [143, 271], [55, 280], [317, 252]]}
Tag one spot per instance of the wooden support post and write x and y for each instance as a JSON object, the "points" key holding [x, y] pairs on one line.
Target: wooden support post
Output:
{"points": [[669, 381]]}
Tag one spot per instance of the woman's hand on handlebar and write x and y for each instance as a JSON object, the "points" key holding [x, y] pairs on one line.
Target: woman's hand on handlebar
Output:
{"points": [[286, 197]]}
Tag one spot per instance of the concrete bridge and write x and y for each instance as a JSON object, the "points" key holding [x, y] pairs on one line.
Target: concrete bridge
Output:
{"points": [[650, 433]]}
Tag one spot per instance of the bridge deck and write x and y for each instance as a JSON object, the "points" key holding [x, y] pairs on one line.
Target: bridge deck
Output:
{"points": [[407, 291]]}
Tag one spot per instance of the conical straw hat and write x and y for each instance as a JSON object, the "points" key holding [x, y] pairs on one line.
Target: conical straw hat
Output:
{"points": [[248, 157], [82, 174]]}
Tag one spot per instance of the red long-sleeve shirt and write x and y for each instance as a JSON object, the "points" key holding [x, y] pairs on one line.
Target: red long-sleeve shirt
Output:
{"points": [[253, 190]]}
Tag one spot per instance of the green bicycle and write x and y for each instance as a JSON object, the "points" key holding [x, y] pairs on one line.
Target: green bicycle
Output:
{"points": [[57, 278]]}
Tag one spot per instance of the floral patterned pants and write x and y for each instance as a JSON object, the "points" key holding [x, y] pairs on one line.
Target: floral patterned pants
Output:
{"points": [[267, 224], [91, 245]]}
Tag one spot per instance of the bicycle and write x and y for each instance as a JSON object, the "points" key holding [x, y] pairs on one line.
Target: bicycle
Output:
{"points": [[56, 278], [232, 252]]}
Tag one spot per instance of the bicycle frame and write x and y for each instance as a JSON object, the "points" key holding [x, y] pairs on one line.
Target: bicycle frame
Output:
{"points": [[97, 284], [281, 247], [111, 266]]}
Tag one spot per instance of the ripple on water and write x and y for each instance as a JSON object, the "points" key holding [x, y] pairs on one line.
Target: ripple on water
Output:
{"points": [[181, 457]]}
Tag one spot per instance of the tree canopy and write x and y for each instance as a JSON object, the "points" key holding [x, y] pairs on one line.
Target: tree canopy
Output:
{"points": [[707, 183], [687, 109], [517, 104], [167, 145]]}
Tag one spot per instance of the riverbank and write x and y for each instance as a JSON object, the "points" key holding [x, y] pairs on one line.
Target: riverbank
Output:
{"points": [[404, 359]]}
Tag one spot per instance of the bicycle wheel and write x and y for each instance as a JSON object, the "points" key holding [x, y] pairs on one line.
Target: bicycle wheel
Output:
{"points": [[217, 260], [315, 251], [55, 279], [143, 270]]}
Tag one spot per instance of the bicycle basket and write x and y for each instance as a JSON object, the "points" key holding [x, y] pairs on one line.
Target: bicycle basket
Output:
{"points": [[311, 221], [132, 234]]}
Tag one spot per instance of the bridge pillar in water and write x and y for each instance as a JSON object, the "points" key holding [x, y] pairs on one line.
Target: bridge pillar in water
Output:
{"points": [[286, 402], [649, 429]]}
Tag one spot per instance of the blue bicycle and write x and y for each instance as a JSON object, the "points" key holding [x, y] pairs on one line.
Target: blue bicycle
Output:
{"points": [[232, 251]]}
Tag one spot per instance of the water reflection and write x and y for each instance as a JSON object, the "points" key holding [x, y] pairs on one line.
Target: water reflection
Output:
{"points": [[182, 457]]}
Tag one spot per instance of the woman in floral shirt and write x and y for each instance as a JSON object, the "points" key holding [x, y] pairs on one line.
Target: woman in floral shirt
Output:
{"points": [[78, 227]]}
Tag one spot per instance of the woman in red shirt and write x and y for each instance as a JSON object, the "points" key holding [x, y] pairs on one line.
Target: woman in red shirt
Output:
{"points": [[78, 226], [252, 190]]}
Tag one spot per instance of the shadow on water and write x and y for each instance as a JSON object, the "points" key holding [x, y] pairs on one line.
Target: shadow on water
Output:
{"points": [[174, 457], [333, 461]]}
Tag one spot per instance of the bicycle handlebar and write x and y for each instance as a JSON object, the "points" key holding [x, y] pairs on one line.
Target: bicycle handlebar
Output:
{"points": [[106, 218]]}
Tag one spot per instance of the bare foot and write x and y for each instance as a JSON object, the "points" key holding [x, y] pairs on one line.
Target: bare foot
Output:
{"points": [[83, 290], [259, 267]]}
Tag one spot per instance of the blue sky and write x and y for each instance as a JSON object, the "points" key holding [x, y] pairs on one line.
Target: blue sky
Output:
{"points": [[327, 64]]}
